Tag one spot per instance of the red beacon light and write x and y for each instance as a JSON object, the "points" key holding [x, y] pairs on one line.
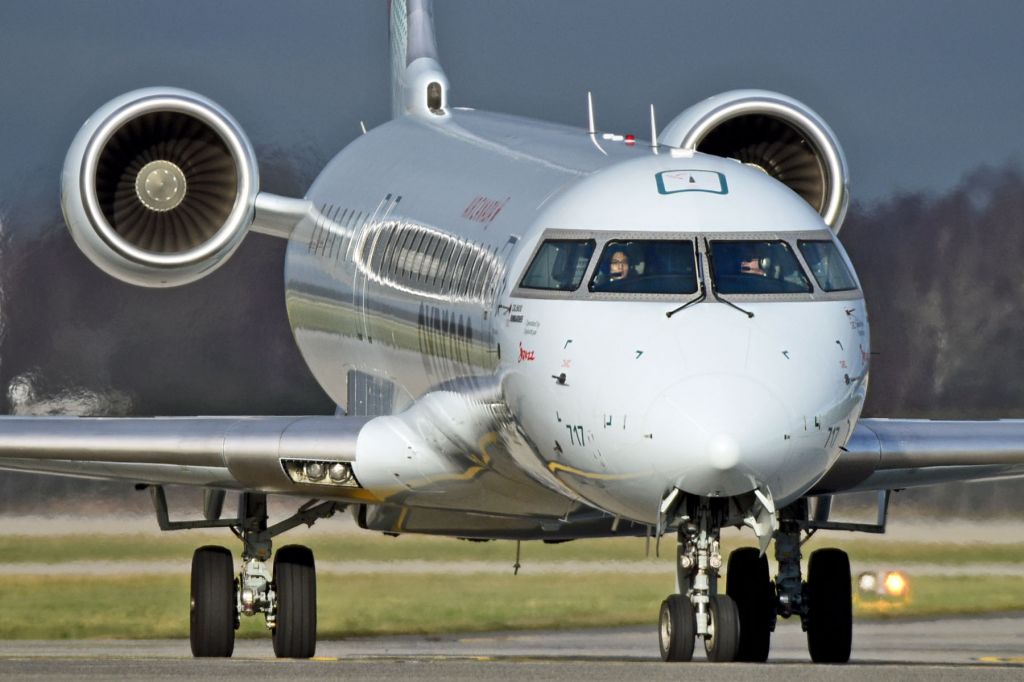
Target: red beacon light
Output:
{"points": [[631, 139]]}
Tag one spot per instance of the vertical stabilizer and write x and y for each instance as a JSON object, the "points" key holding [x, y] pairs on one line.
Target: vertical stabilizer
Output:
{"points": [[419, 85]]}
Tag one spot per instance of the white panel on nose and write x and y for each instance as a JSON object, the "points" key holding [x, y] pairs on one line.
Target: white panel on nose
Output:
{"points": [[719, 434]]}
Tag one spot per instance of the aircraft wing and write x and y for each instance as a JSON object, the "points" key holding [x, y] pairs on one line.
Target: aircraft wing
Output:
{"points": [[254, 453], [888, 454]]}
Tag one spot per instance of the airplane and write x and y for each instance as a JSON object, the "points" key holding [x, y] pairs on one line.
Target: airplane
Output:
{"points": [[531, 332]]}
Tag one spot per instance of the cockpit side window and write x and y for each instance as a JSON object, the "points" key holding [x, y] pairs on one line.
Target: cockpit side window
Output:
{"points": [[756, 267], [827, 265], [646, 266], [559, 265]]}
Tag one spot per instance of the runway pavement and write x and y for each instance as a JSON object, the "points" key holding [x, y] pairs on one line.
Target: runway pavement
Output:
{"points": [[976, 648]]}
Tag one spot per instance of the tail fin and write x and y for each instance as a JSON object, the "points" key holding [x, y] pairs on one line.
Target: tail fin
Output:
{"points": [[419, 85]]}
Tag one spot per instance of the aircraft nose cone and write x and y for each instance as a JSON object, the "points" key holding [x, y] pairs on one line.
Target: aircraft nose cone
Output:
{"points": [[723, 452], [718, 434]]}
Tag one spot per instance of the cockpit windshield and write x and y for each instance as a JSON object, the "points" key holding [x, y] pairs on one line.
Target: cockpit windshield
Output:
{"points": [[756, 267], [827, 265], [559, 265], [646, 266], [688, 267]]}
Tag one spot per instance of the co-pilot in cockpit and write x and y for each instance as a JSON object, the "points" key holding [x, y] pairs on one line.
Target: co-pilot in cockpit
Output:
{"points": [[645, 266]]}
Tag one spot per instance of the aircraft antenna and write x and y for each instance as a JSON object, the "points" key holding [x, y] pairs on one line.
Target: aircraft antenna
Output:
{"points": [[362, 125], [654, 131], [590, 113]]}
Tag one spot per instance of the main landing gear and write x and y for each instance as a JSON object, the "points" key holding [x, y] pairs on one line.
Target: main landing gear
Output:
{"points": [[286, 596], [737, 625]]}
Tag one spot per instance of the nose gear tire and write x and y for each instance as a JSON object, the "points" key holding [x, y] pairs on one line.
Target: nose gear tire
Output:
{"points": [[723, 644], [677, 628]]}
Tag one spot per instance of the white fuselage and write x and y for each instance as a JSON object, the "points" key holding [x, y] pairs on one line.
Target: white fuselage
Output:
{"points": [[604, 399]]}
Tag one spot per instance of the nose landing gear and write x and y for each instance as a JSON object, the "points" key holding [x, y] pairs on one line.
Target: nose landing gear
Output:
{"points": [[698, 610]]}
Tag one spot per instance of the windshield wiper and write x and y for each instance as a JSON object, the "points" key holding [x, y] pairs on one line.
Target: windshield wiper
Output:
{"points": [[692, 301], [711, 265], [703, 288]]}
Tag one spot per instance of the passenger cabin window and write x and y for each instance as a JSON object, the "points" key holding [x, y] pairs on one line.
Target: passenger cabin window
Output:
{"points": [[559, 265], [756, 267], [827, 265], [646, 267]]}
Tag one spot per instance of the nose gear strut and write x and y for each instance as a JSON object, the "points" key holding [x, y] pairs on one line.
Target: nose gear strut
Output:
{"points": [[707, 614]]}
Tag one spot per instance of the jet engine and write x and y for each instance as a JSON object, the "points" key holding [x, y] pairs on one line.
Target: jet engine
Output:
{"points": [[159, 187], [775, 134]]}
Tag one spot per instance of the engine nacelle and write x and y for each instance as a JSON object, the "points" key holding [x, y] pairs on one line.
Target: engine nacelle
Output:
{"points": [[159, 187], [775, 133]]}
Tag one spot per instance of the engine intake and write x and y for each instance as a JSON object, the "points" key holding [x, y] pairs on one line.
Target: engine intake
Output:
{"points": [[159, 187], [776, 134]]}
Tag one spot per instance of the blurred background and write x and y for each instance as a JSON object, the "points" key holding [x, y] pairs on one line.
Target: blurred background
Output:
{"points": [[922, 95]]}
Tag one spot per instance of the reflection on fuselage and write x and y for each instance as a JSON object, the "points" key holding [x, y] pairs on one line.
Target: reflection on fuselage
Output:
{"points": [[591, 387]]}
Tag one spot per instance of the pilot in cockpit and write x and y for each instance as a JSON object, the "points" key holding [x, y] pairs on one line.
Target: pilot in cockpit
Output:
{"points": [[751, 264], [618, 265]]}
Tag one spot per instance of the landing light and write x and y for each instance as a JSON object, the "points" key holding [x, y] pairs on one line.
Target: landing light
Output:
{"points": [[320, 472], [339, 473], [315, 471]]}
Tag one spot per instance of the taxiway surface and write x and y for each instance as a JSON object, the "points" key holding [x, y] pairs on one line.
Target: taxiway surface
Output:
{"points": [[983, 648]]}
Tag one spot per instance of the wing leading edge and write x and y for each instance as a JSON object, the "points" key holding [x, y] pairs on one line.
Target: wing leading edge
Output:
{"points": [[887, 454], [225, 452]]}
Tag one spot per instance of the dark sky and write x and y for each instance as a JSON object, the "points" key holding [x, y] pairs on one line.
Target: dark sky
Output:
{"points": [[919, 91]]}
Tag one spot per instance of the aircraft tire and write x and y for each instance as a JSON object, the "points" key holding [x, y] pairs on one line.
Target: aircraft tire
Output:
{"points": [[750, 586], [829, 606], [677, 628], [212, 607], [295, 587], [724, 643]]}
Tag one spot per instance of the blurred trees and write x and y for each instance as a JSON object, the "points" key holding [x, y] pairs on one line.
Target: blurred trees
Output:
{"points": [[944, 281]]}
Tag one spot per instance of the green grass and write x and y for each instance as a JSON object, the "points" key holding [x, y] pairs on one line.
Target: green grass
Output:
{"points": [[58, 607], [40, 607], [933, 596]]}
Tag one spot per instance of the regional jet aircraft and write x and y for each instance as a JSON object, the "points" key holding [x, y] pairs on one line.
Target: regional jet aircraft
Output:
{"points": [[532, 332]]}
